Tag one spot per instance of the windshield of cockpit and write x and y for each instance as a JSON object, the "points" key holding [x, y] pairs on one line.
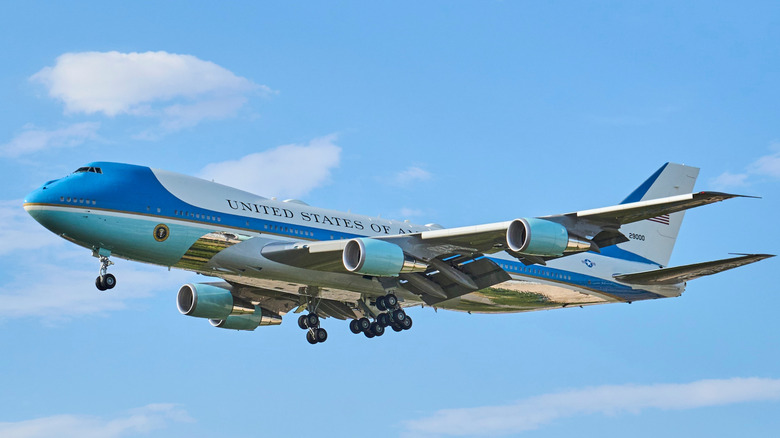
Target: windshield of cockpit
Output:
{"points": [[88, 169]]}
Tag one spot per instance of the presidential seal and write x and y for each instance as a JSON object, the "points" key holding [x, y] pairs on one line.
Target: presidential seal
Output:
{"points": [[161, 232]]}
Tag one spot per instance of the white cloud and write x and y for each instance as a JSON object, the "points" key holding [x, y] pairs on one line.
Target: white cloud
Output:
{"points": [[767, 166], [180, 90], [412, 174], [137, 421], [34, 139], [286, 171], [728, 179], [534, 412]]}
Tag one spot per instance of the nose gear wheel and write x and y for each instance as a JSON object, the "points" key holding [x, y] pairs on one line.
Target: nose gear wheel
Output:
{"points": [[104, 280]]}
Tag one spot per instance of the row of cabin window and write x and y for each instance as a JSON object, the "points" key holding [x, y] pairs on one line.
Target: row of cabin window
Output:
{"points": [[195, 215], [536, 272], [287, 230], [77, 200]]}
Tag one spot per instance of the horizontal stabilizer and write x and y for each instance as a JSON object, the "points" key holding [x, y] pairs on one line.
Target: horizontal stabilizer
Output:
{"points": [[679, 274]]}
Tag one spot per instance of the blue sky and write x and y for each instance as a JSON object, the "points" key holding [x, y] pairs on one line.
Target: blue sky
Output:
{"points": [[450, 112]]}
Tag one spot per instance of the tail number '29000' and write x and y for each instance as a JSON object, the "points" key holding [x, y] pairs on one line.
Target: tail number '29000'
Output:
{"points": [[635, 236]]}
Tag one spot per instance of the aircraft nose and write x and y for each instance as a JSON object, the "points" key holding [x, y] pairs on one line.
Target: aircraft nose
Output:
{"points": [[34, 197], [35, 202]]}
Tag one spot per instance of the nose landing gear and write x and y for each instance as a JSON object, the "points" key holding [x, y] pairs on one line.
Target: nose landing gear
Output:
{"points": [[105, 281]]}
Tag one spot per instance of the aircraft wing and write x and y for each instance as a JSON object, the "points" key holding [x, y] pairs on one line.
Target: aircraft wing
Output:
{"points": [[608, 219], [599, 226], [450, 262], [680, 274]]}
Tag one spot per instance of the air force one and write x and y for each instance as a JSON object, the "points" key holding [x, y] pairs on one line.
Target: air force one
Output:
{"points": [[274, 257]]}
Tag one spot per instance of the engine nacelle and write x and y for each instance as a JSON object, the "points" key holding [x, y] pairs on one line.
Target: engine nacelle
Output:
{"points": [[222, 308], [248, 322], [377, 257], [208, 301], [540, 237]]}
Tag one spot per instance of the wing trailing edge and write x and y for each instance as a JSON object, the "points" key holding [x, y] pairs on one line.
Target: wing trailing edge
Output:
{"points": [[680, 274]]}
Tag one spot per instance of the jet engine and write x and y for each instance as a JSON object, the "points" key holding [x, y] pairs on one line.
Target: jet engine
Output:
{"points": [[540, 237], [248, 322], [377, 257], [222, 308]]}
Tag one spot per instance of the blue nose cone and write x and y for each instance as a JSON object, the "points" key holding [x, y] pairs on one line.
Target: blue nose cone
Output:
{"points": [[35, 197]]}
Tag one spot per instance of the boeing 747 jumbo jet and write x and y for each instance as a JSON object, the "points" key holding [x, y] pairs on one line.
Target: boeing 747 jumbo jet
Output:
{"points": [[274, 257]]}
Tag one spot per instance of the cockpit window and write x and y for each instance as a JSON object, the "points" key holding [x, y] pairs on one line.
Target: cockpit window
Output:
{"points": [[88, 169]]}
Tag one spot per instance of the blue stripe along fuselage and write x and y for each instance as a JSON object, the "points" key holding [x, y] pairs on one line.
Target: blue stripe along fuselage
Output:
{"points": [[136, 200]]}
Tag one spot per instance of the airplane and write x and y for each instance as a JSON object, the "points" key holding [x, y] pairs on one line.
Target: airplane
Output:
{"points": [[273, 257]]}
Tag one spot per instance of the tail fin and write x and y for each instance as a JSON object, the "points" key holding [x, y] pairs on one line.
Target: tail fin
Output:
{"points": [[654, 238]]}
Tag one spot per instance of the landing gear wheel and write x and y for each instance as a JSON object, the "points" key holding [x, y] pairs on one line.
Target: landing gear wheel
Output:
{"points": [[309, 337], [109, 281], [383, 319], [406, 323], [364, 324], [354, 326], [320, 335], [105, 281], [396, 328], [312, 320], [302, 322], [381, 304], [391, 301], [398, 315], [368, 334], [377, 329]]}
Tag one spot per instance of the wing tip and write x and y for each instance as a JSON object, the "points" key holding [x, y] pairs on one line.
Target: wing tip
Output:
{"points": [[725, 195], [757, 256]]}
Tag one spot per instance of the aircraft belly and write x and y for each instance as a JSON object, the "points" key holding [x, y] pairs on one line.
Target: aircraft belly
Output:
{"points": [[269, 285], [523, 296]]}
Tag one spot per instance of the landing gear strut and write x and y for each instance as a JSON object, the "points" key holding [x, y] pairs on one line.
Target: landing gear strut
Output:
{"points": [[105, 280], [311, 323], [393, 317]]}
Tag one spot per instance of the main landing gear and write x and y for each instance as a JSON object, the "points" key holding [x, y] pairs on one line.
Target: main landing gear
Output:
{"points": [[393, 316], [105, 280], [311, 323]]}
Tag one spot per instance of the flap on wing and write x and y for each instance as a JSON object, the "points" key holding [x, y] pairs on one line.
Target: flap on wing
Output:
{"points": [[679, 274], [282, 302], [440, 285]]}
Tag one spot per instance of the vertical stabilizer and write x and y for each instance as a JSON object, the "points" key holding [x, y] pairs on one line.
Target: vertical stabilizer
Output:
{"points": [[654, 238]]}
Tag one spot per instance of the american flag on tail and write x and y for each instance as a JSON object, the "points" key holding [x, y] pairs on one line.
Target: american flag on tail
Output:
{"points": [[663, 219]]}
